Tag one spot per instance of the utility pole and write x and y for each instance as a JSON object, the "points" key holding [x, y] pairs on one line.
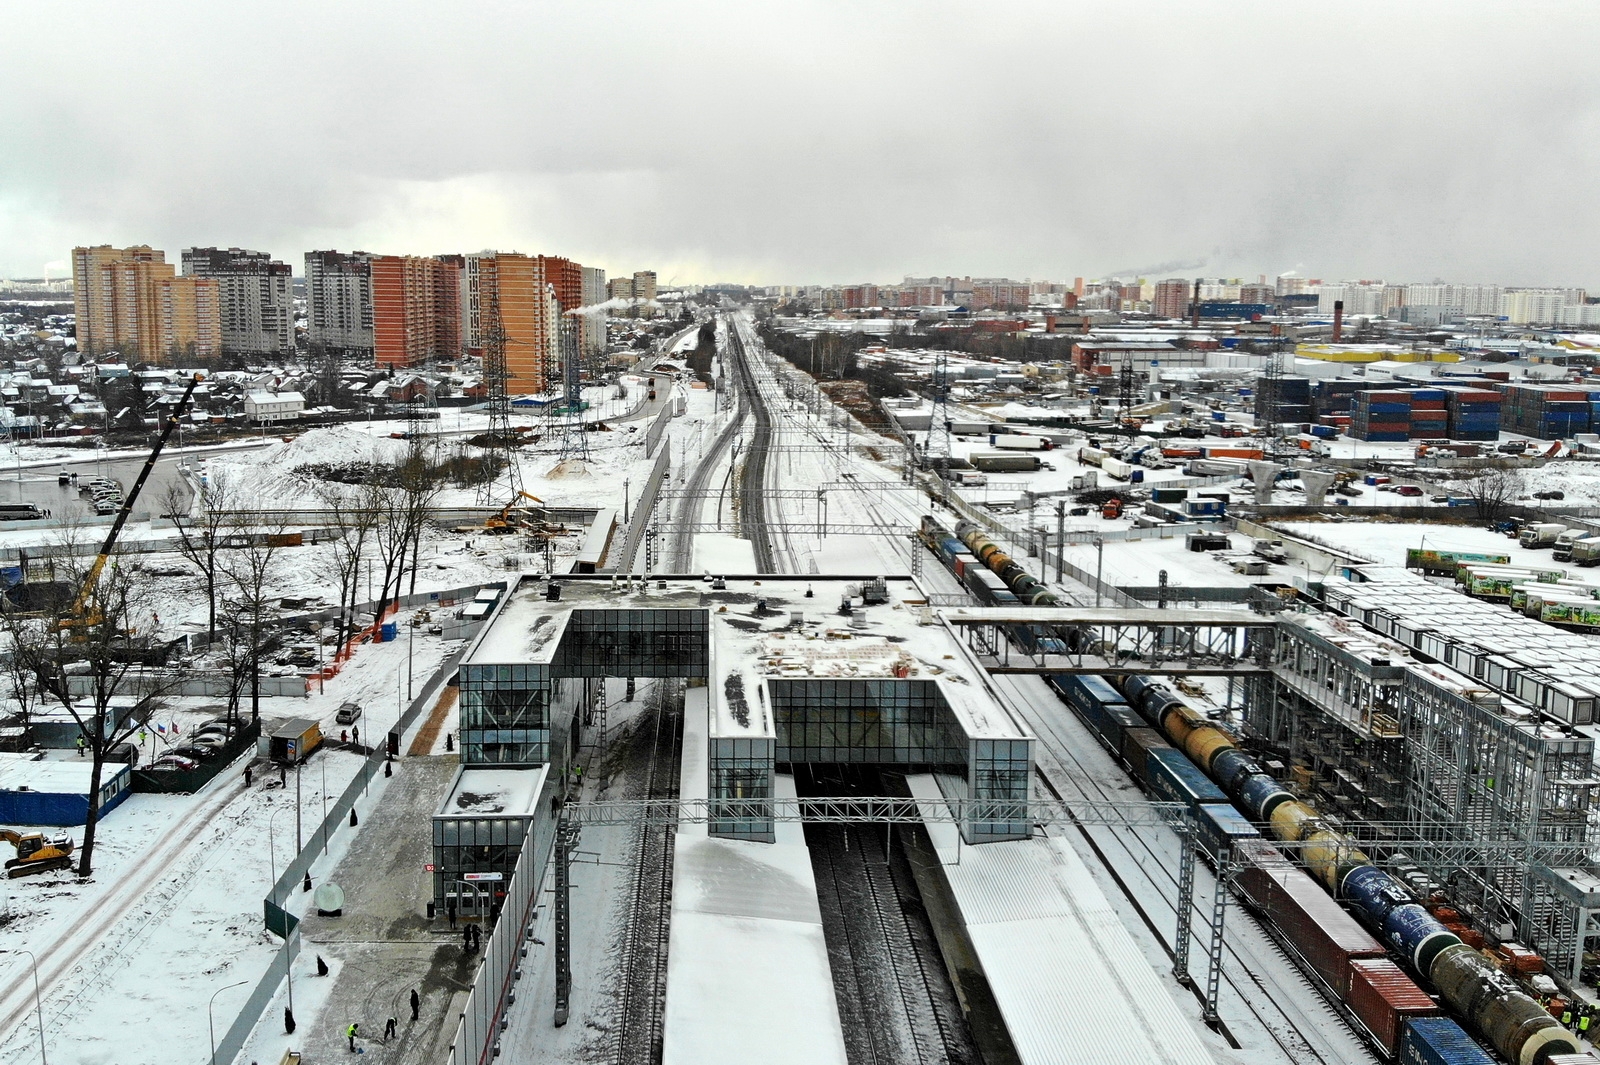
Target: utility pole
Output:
{"points": [[1099, 567], [1061, 535]]}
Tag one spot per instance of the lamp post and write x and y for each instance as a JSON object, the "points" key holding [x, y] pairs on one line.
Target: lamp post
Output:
{"points": [[211, 1027], [38, 1003], [1099, 567], [272, 854]]}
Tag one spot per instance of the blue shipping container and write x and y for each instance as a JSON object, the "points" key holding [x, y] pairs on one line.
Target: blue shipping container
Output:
{"points": [[1219, 824], [1171, 777], [1439, 1041]]}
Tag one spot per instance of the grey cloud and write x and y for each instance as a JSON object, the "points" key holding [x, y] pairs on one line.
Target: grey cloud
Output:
{"points": [[818, 141]]}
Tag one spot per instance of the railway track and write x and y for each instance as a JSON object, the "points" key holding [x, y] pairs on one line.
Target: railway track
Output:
{"points": [[1253, 962], [896, 1001], [642, 998], [754, 523]]}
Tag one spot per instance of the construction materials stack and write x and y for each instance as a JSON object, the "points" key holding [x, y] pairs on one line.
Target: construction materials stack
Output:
{"points": [[1382, 416], [1547, 412], [1429, 418], [1474, 413]]}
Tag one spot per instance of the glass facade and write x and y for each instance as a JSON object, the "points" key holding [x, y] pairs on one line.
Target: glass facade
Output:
{"points": [[466, 844], [670, 642], [741, 769], [887, 721]]}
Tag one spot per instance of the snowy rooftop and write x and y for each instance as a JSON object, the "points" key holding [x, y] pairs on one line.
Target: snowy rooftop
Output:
{"points": [[494, 793], [750, 645], [64, 775]]}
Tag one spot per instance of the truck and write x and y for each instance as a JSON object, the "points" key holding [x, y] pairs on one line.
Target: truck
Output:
{"points": [[1004, 461], [1019, 442], [1586, 551], [293, 741], [1561, 550], [1540, 534]]}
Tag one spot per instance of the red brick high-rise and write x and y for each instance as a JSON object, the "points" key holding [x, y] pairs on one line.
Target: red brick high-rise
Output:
{"points": [[416, 309]]}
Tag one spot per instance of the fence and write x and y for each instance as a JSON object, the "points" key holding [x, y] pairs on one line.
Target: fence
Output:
{"points": [[189, 781], [652, 436], [641, 512], [277, 918]]}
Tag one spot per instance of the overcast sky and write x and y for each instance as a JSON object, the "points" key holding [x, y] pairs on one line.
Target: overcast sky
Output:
{"points": [[816, 142]]}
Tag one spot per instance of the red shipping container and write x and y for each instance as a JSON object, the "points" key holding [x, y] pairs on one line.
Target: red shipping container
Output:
{"points": [[1387, 397], [1326, 936], [1386, 427], [1260, 862], [1233, 452], [1137, 743], [1427, 404], [1382, 996]]}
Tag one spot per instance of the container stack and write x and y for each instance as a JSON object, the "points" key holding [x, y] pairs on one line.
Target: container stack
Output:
{"points": [[1382, 416], [1474, 413], [1293, 403], [1546, 412], [1429, 418]]}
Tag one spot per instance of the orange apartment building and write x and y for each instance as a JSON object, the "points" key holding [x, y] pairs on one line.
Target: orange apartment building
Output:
{"points": [[416, 309], [131, 300], [511, 289]]}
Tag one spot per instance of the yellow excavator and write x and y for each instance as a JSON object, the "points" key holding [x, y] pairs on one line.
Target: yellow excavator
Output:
{"points": [[36, 852], [513, 516]]}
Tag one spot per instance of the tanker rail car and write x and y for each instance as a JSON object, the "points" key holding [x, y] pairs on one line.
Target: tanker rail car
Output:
{"points": [[993, 578], [1304, 904]]}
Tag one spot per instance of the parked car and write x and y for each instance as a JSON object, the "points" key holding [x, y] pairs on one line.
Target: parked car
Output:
{"points": [[192, 751], [348, 714], [174, 762], [1407, 490], [213, 729], [210, 741]]}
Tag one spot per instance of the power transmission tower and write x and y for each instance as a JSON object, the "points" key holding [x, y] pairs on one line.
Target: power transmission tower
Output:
{"points": [[1125, 389], [574, 440], [1269, 402], [500, 448], [936, 454]]}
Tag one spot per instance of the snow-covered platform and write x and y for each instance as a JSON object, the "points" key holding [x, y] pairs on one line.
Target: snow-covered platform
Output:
{"points": [[747, 972], [1070, 982]]}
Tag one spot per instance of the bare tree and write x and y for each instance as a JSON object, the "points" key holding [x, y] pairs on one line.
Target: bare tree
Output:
{"points": [[1493, 492], [353, 521], [251, 568], [205, 527], [82, 651]]}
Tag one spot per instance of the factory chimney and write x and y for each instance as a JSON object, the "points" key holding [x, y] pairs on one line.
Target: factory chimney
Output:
{"points": [[1194, 306], [1338, 320]]}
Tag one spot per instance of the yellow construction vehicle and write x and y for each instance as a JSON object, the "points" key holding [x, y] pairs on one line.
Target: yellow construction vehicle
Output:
{"points": [[513, 516], [36, 852]]}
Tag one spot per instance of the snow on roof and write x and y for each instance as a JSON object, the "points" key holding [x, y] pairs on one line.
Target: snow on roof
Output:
{"points": [[480, 793], [748, 977], [56, 776], [1056, 953]]}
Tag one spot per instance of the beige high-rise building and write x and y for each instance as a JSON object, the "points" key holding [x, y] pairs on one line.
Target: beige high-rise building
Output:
{"points": [[511, 289], [644, 284], [131, 300]]}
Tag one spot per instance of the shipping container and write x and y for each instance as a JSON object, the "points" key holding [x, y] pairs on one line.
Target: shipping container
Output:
{"points": [[1439, 1041], [1137, 743], [1326, 936], [1221, 825], [1171, 777], [1382, 997]]}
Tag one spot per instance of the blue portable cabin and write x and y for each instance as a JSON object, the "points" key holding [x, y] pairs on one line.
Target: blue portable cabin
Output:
{"points": [[55, 791]]}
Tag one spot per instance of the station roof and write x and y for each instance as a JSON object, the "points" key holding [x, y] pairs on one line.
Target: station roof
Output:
{"points": [[494, 793]]}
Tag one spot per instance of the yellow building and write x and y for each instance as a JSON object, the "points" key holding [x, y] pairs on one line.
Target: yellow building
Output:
{"points": [[131, 300], [1366, 353]]}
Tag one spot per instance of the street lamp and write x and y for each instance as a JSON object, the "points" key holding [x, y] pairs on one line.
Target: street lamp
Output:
{"points": [[272, 854], [38, 1003], [210, 1027]]}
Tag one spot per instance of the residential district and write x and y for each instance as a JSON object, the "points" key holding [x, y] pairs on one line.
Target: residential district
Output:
{"points": [[459, 656]]}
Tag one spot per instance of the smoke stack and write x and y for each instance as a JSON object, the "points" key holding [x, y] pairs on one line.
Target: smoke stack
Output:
{"points": [[1338, 320], [1194, 306]]}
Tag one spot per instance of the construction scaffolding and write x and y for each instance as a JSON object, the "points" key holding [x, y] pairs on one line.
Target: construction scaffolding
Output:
{"points": [[1428, 777]]}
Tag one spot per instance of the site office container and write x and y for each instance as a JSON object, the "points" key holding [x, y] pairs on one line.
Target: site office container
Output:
{"points": [[1383, 997]]}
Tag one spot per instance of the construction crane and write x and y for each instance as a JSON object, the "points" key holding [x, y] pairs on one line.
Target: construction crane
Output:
{"points": [[77, 616], [36, 852]]}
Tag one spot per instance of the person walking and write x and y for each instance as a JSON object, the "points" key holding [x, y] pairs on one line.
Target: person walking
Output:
{"points": [[355, 735], [466, 939], [80, 746], [416, 1004], [350, 1034], [389, 1029], [247, 776], [450, 911]]}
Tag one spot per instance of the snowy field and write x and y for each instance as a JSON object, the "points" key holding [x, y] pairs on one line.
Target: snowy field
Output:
{"points": [[1387, 542]]}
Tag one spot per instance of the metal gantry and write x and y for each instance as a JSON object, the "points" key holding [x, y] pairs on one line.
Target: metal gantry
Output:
{"points": [[1116, 640]]}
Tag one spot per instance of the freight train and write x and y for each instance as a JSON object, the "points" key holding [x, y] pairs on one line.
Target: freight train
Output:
{"points": [[1204, 769], [974, 558]]}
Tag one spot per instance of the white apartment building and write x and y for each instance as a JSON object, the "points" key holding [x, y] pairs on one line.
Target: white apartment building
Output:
{"points": [[339, 301]]}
